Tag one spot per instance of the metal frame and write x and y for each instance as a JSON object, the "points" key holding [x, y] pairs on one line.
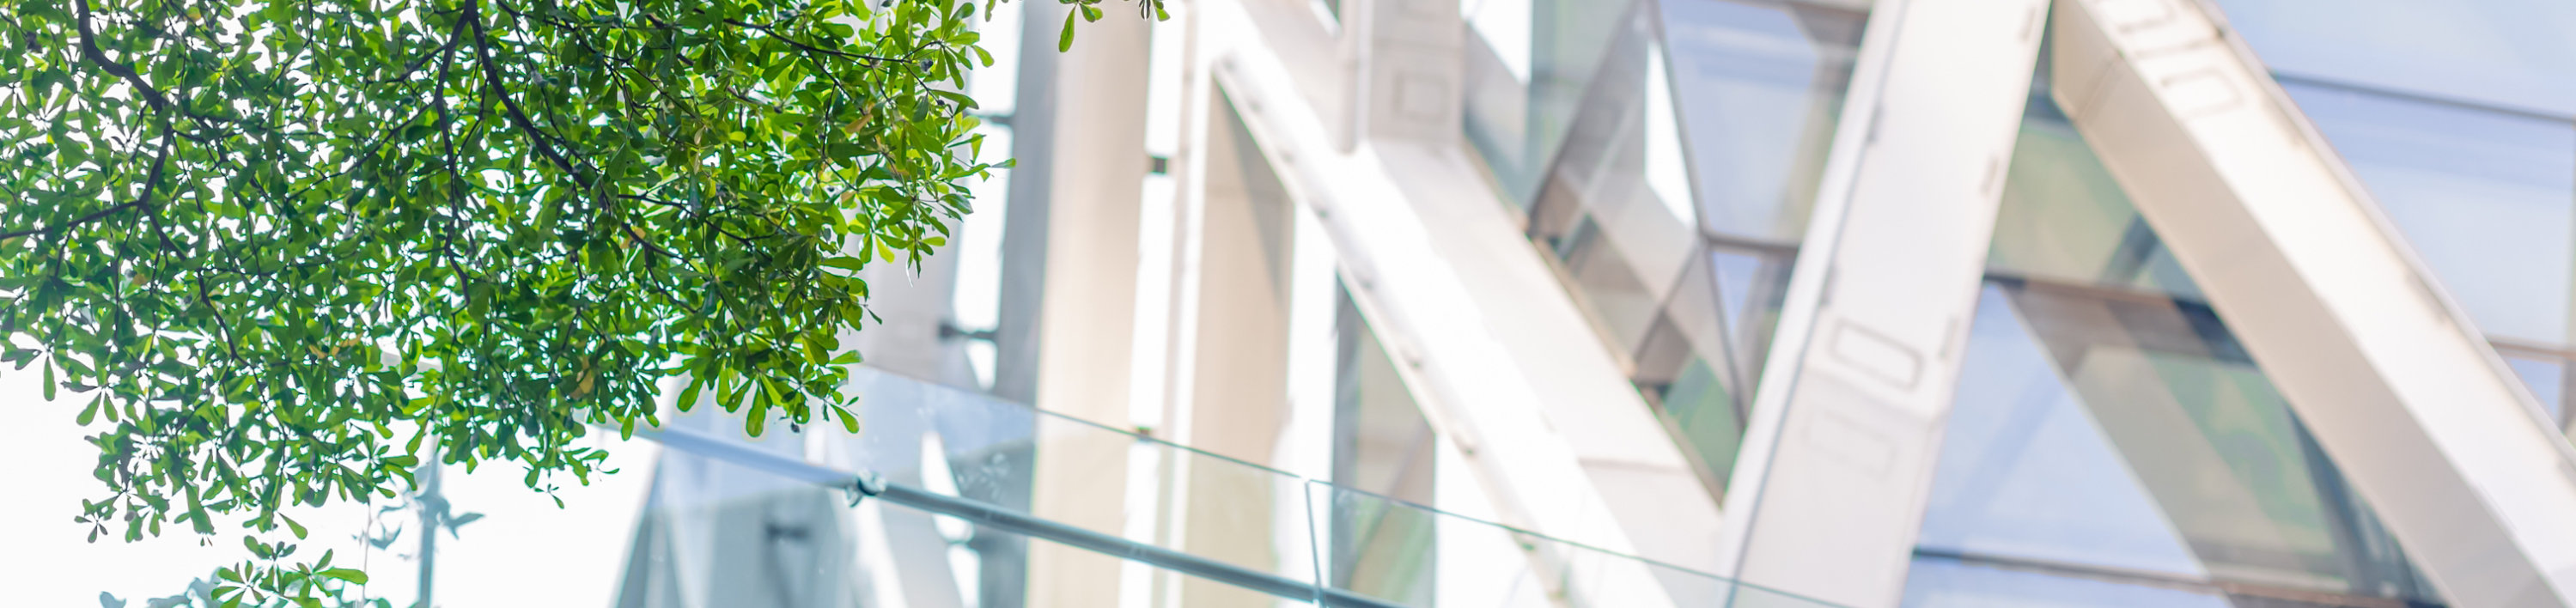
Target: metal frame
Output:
{"points": [[2389, 375], [1837, 464], [1502, 363]]}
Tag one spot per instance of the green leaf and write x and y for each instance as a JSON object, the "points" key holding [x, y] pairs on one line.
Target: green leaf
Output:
{"points": [[849, 421], [365, 241], [689, 395], [1064, 42], [347, 574]]}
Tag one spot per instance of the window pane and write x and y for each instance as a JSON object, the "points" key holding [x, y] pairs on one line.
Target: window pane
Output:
{"points": [[2487, 199], [2514, 53]]}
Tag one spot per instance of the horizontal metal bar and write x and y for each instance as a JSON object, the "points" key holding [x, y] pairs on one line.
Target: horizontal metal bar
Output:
{"points": [[2348, 86], [2149, 578], [999, 518]]}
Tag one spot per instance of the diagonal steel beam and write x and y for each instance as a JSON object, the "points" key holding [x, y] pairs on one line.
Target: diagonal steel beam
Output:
{"points": [[2396, 384], [1838, 459]]}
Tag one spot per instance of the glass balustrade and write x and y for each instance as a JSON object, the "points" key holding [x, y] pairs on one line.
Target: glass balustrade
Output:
{"points": [[984, 502]]}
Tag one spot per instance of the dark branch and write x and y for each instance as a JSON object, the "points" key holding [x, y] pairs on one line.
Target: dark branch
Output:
{"points": [[773, 33], [151, 188], [90, 52], [518, 117]]}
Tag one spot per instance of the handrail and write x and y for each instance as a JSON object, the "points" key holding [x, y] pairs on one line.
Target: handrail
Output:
{"points": [[999, 518]]}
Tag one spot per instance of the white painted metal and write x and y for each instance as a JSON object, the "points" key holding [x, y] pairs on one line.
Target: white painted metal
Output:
{"points": [[1230, 345], [1085, 317], [2397, 386], [1828, 496], [1499, 357]]}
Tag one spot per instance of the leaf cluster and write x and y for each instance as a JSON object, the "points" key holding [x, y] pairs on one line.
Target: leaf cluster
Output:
{"points": [[281, 250]]}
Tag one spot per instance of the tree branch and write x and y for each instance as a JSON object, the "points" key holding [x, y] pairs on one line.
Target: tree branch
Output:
{"points": [[151, 188], [90, 52], [772, 31], [518, 117]]}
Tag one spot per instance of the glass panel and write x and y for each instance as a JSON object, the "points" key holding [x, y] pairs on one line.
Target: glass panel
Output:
{"points": [[1624, 242], [956, 525], [2064, 218], [1761, 88], [2213, 443], [1496, 82], [2026, 472], [2115, 327], [1752, 286], [1529, 66], [1570, 41], [1381, 441], [2487, 199], [2514, 53], [1942, 583], [1409, 554], [1686, 369], [2547, 379], [770, 540], [996, 449], [1621, 292]]}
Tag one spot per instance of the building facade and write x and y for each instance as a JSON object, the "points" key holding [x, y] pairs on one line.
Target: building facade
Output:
{"points": [[1709, 302]]}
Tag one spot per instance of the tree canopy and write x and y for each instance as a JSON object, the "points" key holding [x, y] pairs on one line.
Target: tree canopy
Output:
{"points": [[281, 250]]}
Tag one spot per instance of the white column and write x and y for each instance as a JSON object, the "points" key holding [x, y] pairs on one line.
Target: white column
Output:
{"points": [[1828, 496], [1228, 374], [2396, 384], [1095, 146]]}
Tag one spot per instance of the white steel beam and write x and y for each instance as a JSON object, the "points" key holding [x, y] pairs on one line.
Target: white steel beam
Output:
{"points": [[2391, 377], [1228, 377], [1500, 359], [1837, 463], [1095, 148]]}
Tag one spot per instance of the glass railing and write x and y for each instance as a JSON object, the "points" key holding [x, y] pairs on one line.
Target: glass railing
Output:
{"points": [[982, 502]]}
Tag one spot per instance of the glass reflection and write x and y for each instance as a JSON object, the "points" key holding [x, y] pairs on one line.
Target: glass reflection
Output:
{"points": [[1679, 247], [1526, 75], [2455, 118], [2513, 53], [2546, 375], [720, 532], [2487, 199], [1943, 583], [1761, 86], [2094, 352], [2026, 470]]}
